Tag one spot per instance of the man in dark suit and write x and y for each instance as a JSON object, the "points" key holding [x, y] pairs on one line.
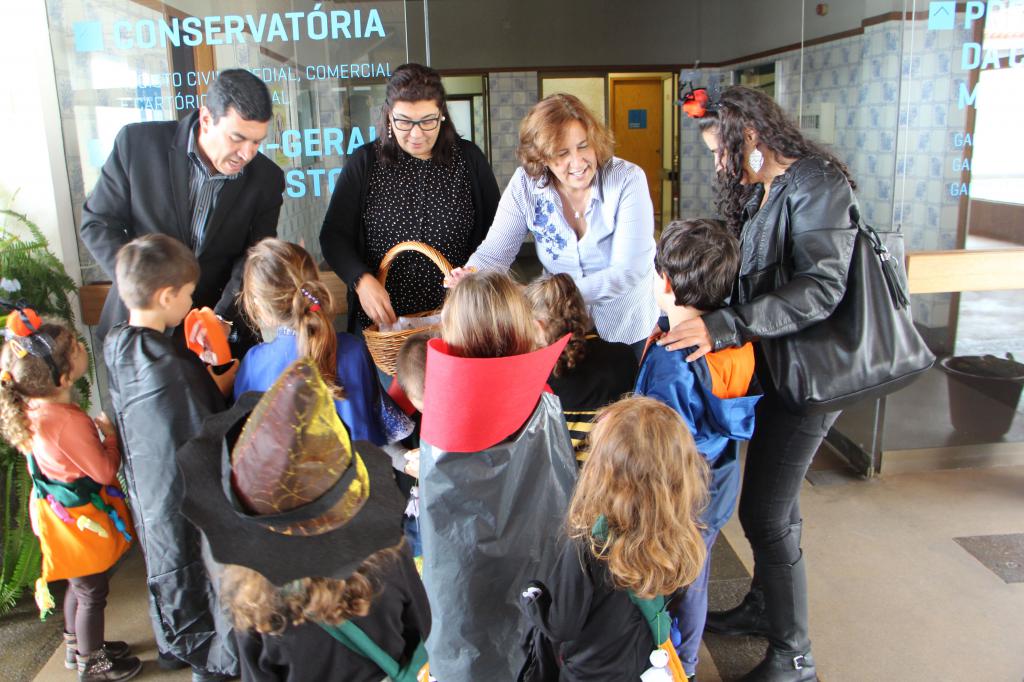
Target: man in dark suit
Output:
{"points": [[200, 180]]}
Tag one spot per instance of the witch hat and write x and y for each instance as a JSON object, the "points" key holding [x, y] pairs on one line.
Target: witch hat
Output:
{"points": [[277, 486]]}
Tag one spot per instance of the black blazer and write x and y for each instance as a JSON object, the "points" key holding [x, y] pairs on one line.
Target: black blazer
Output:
{"points": [[143, 189]]}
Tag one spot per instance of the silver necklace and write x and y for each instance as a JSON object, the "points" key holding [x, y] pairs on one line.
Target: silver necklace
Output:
{"points": [[576, 213]]}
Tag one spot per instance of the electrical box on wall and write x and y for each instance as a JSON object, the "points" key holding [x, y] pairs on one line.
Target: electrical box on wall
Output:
{"points": [[818, 122]]}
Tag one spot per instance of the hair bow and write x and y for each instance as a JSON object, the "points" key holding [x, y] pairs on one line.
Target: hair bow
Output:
{"points": [[22, 331], [698, 102]]}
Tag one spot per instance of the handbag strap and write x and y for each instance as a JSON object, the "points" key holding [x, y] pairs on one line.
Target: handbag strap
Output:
{"points": [[897, 292]]}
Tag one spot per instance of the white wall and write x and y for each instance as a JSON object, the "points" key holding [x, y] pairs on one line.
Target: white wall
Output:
{"points": [[33, 165]]}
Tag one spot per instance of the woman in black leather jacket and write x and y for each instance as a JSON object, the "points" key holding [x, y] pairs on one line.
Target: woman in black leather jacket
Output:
{"points": [[790, 202]]}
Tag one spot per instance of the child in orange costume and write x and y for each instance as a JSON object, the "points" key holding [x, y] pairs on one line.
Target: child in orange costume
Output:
{"points": [[77, 508]]}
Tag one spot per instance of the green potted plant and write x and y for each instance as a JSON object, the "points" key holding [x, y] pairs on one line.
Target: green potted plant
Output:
{"points": [[28, 271]]}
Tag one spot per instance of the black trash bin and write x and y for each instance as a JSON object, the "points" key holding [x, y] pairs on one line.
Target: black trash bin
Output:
{"points": [[983, 392]]}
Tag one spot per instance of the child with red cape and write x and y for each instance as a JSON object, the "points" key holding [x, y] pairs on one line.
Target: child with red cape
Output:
{"points": [[497, 470]]}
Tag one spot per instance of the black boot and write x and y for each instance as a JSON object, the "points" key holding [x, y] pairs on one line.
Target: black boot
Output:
{"points": [[97, 667], [749, 618], [113, 649], [788, 658]]}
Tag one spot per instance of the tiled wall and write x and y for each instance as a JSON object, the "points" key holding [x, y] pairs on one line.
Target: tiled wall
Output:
{"points": [[511, 96], [896, 114]]}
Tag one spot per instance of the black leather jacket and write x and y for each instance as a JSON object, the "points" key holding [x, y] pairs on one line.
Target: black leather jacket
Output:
{"points": [[796, 252]]}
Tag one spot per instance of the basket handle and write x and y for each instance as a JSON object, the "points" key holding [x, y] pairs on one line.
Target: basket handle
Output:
{"points": [[419, 247]]}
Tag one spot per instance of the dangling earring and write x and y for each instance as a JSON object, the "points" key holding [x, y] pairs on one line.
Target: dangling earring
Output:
{"points": [[756, 160], [389, 131]]}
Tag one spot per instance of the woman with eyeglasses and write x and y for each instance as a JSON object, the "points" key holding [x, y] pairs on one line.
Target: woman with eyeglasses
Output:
{"points": [[419, 181], [590, 214]]}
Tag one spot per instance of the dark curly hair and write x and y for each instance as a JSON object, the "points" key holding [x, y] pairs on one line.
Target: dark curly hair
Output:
{"points": [[416, 83], [741, 108], [558, 305]]}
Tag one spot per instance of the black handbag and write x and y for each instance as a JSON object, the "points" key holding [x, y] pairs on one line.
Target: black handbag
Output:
{"points": [[868, 347]]}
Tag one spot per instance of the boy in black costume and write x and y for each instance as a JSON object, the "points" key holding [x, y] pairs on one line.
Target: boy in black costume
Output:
{"points": [[161, 394]]}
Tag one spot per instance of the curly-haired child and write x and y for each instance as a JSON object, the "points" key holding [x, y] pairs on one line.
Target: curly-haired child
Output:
{"points": [[307, 523], [633, 540], [76, 502], [591, 372]]}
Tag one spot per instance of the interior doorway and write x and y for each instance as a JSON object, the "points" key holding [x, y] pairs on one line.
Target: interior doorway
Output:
{"points": [[639, 107]]}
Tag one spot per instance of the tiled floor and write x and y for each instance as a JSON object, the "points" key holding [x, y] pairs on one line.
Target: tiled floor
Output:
{"points": [[893, 595]]}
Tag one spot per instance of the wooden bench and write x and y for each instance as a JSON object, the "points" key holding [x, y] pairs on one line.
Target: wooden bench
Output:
{"points": [[934, 272], [93, 295]]}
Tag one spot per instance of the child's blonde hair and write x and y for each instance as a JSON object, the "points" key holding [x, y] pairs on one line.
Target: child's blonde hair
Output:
{"points": [[281, 286], [487, 316], [256, 603], [645, 476], [558, 305], [24, 376]]}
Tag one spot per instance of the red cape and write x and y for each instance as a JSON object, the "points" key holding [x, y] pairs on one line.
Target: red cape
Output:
{"points": [[470, 404]]}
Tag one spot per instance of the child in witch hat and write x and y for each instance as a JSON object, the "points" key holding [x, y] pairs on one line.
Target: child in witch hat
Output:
{"points": [[77, 508], [308, 527], [496, 472], [633, 540]]}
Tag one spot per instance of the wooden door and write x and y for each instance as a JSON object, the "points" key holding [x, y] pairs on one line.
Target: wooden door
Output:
{"points": [[636, 113]]}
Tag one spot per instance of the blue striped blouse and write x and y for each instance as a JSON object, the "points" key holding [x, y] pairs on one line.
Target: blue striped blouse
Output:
{"points": [[612, 264]]}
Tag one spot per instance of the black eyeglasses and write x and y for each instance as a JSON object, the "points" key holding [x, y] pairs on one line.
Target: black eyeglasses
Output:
{"points": [[425, 124]]}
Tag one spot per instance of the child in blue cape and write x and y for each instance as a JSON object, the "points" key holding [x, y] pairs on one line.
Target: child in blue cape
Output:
{"points": [[696, 263], [281, 290]]}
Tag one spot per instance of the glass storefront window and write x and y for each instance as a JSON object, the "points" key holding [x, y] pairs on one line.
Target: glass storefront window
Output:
{"points": [[957, 186], [326, 65]]}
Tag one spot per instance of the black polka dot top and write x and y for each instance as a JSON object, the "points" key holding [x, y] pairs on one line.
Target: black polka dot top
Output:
{"points": [[423, 201]]}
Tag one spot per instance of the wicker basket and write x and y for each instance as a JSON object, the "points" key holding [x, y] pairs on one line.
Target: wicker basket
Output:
{"points": [[384, 346]]}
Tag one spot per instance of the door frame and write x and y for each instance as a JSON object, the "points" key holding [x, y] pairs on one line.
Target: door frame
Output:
{"points": [[670, 141]]}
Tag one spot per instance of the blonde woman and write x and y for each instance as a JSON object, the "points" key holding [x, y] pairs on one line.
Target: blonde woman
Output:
{"points": [[590, 214]]}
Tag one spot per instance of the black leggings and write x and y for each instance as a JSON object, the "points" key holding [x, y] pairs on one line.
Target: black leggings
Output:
{"points": [[778, 456], [83, 610]]}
